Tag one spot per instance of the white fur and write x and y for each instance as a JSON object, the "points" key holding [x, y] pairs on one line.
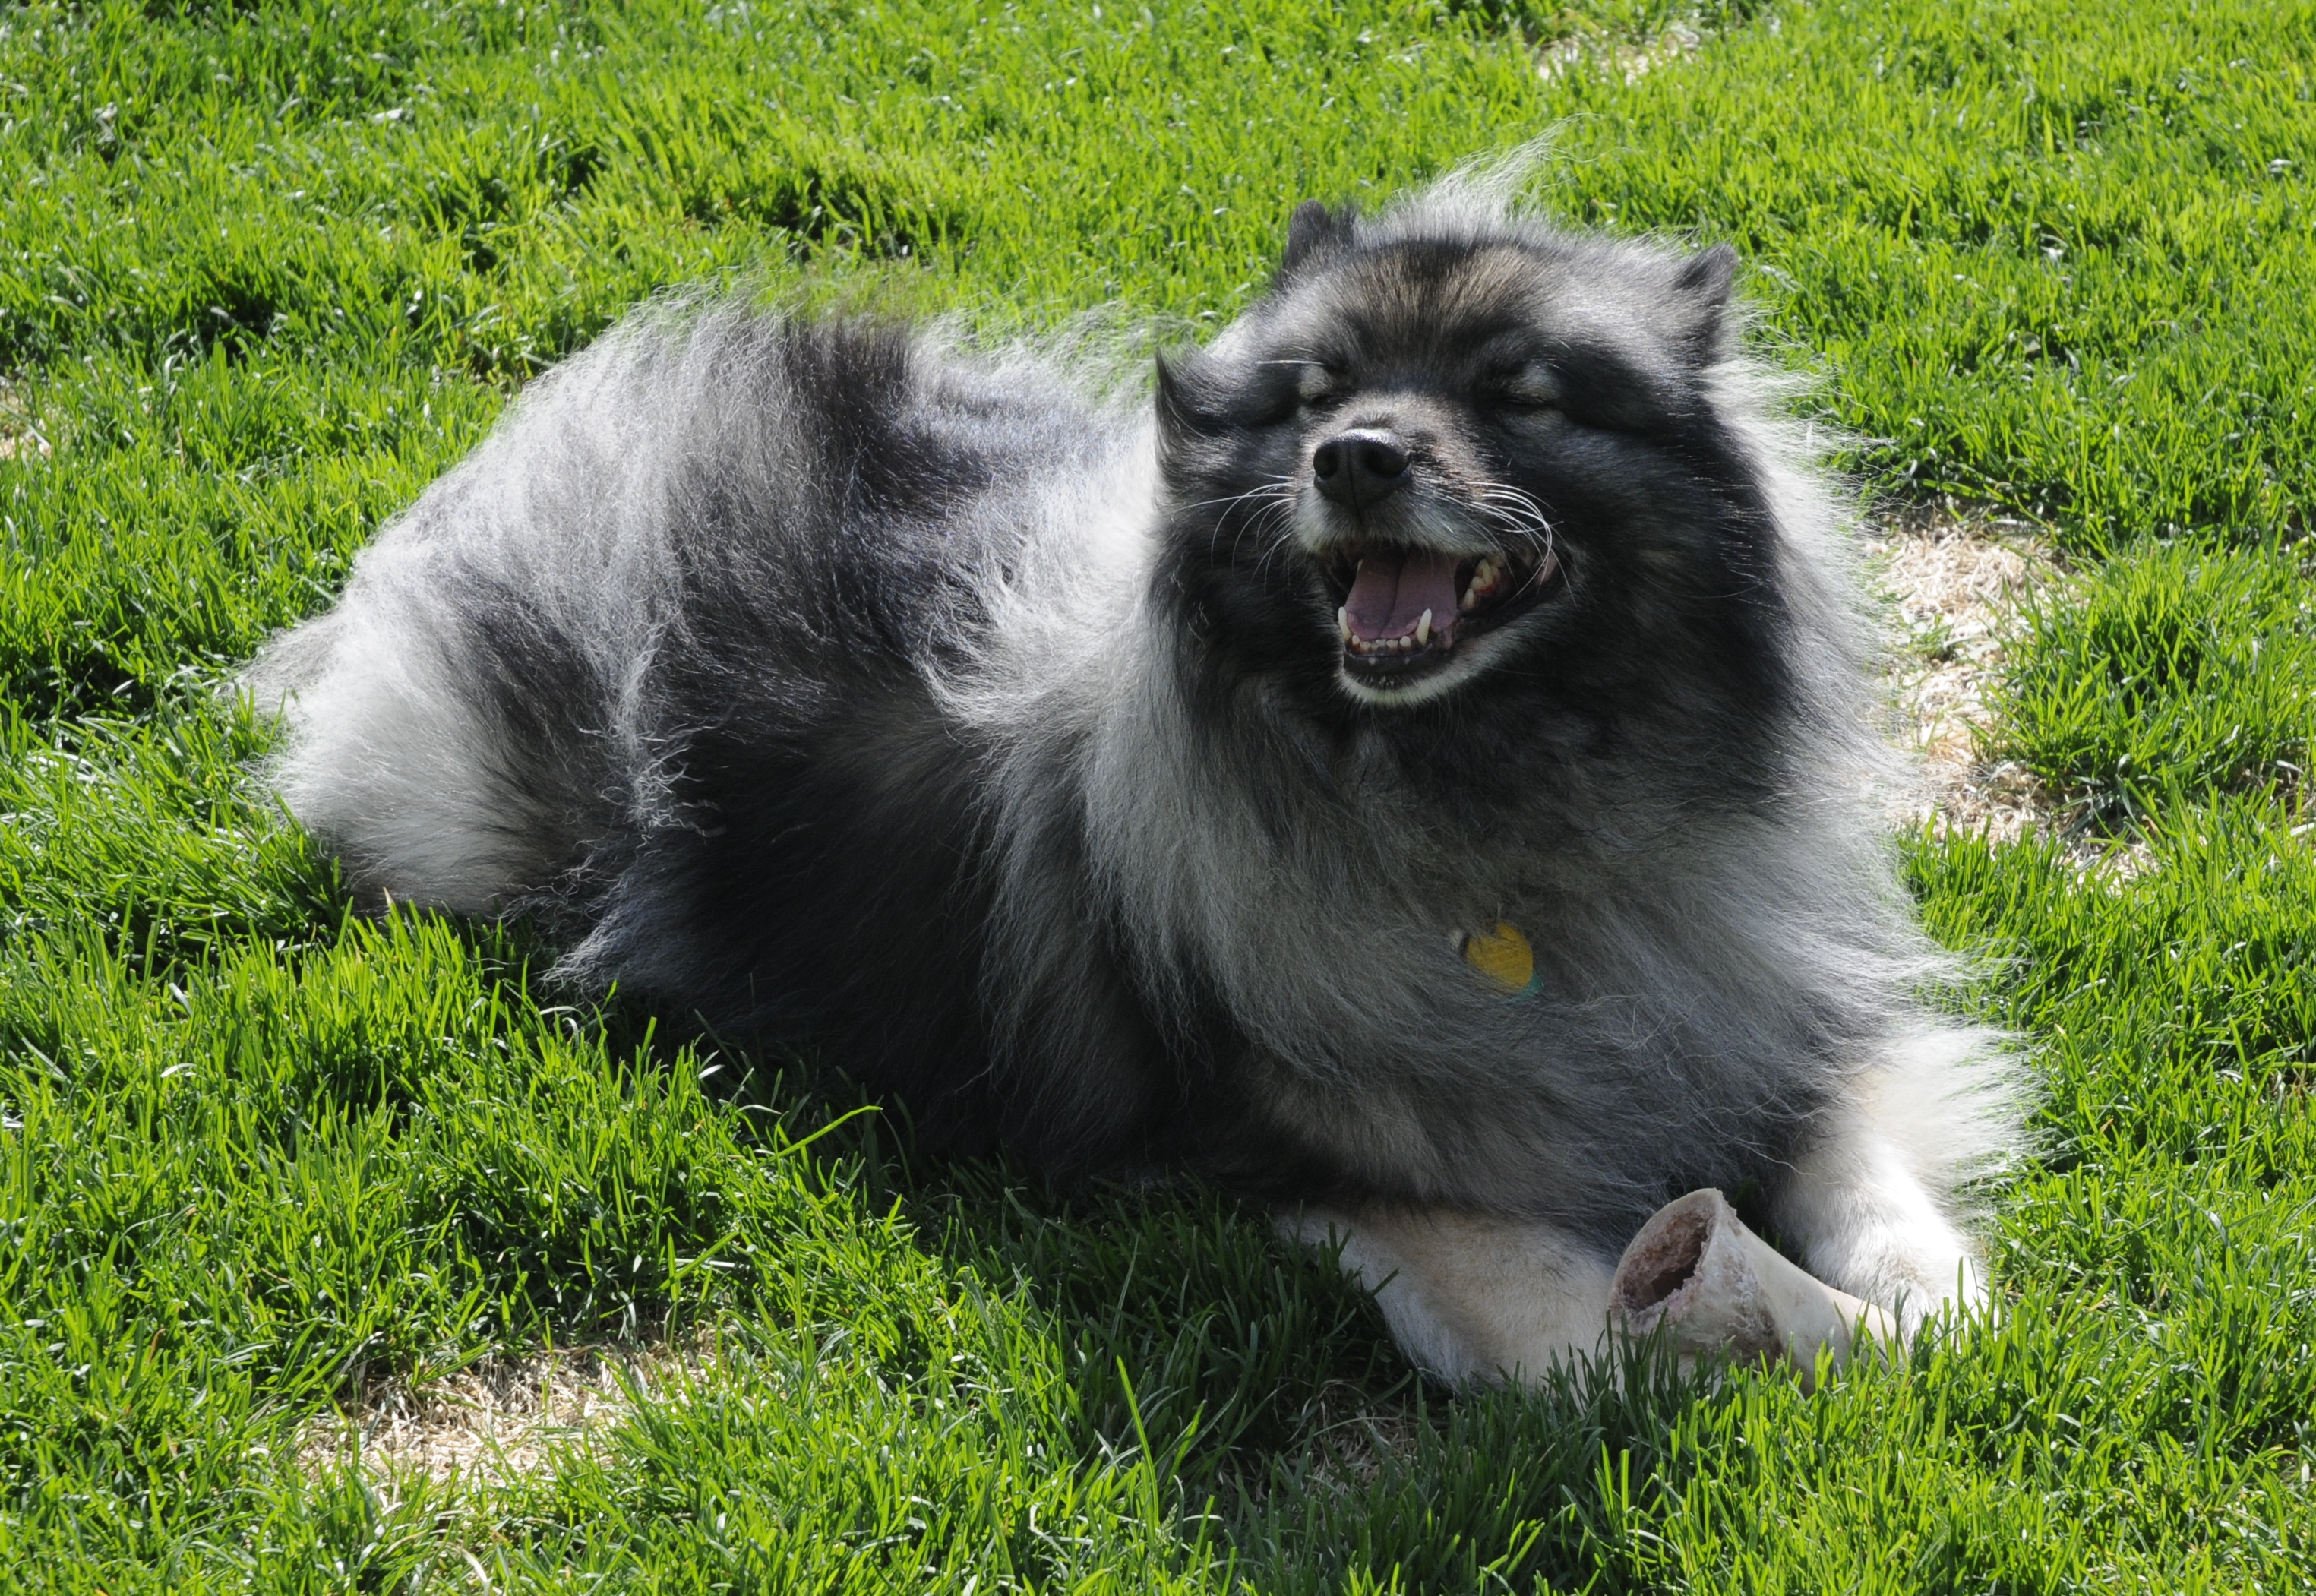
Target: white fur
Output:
{"points": [[1471, 1299]]}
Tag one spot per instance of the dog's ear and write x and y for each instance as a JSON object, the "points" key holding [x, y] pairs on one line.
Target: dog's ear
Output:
{"points": [[1314, 232], [1709, 275], [1705, 283], [1183, 408]]}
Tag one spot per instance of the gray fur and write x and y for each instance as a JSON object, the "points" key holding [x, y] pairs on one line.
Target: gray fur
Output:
{"points": [[837, 682]]}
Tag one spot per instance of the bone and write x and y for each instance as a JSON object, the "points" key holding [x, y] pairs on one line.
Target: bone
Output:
{"points": [[1717, 1290]]}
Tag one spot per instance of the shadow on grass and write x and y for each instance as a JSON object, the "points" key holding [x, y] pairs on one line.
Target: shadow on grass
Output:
{"points": [[1261, 1380], [516, 1168]]}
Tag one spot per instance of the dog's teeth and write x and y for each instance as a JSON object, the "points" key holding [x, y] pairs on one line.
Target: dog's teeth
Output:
{"points": [[1424, 630], [1483, 584], [1343, 619]]}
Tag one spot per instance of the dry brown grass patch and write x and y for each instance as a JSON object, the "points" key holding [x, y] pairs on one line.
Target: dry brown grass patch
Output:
{"points": [[1956, 582], [499, 1416], [20, 436]]}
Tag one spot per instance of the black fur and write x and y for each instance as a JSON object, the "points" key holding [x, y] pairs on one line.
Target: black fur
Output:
{"points": [[830, 685]]}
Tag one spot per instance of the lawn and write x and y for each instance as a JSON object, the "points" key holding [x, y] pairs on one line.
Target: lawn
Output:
{"points": [[266, 267]]}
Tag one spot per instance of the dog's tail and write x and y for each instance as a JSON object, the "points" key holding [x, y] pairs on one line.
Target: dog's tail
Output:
{"points": [[465, 729]]}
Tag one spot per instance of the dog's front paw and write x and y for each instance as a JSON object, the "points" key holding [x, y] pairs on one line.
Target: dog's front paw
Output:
{"points": [[1917, 1272]]}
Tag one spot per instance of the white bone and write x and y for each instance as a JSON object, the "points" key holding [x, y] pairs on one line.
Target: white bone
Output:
{"points": [[1717, 1289]]}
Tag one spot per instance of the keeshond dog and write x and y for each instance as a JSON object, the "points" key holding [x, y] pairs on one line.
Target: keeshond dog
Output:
{"points": [[1417, 768]]}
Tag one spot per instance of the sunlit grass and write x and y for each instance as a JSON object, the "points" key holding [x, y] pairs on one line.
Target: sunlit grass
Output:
{"points": [[266, 269], [2180, 669]]}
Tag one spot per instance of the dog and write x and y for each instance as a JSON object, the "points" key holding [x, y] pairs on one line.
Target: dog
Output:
{"points": [[1415, 767]]}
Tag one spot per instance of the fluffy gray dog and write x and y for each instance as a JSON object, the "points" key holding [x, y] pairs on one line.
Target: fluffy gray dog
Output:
{"points": [[1417, 770]]}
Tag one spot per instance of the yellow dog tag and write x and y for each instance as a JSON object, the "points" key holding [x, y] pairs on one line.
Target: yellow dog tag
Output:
{"points": [[1504, 956]]}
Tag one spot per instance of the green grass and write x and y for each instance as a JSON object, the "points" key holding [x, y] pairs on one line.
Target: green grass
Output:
{"points": [[2187, 669], [266, 269]]}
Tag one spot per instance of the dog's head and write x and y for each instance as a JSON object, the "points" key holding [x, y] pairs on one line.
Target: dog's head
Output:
{"points": [[1451, 447]]}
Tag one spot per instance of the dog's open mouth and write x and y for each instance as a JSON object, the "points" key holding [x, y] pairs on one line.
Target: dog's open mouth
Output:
{"points": [[1402, 611]]}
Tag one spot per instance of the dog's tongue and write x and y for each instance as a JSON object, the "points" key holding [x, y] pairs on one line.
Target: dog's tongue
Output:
{"points": [[1392, 590]]}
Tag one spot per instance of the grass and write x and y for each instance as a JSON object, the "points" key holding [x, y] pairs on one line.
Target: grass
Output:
{"points": [[266, 269], [2189, 668]]}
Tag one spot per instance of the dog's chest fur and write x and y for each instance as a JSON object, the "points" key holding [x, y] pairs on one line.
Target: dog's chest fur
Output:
{"points": [[1289, 922]]}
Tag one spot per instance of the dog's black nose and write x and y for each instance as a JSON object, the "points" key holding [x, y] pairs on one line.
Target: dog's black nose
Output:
{"points": [[1359, 466]]}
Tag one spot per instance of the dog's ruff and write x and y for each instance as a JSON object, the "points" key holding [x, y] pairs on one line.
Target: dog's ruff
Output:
{"points": [[1417, 771]]}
